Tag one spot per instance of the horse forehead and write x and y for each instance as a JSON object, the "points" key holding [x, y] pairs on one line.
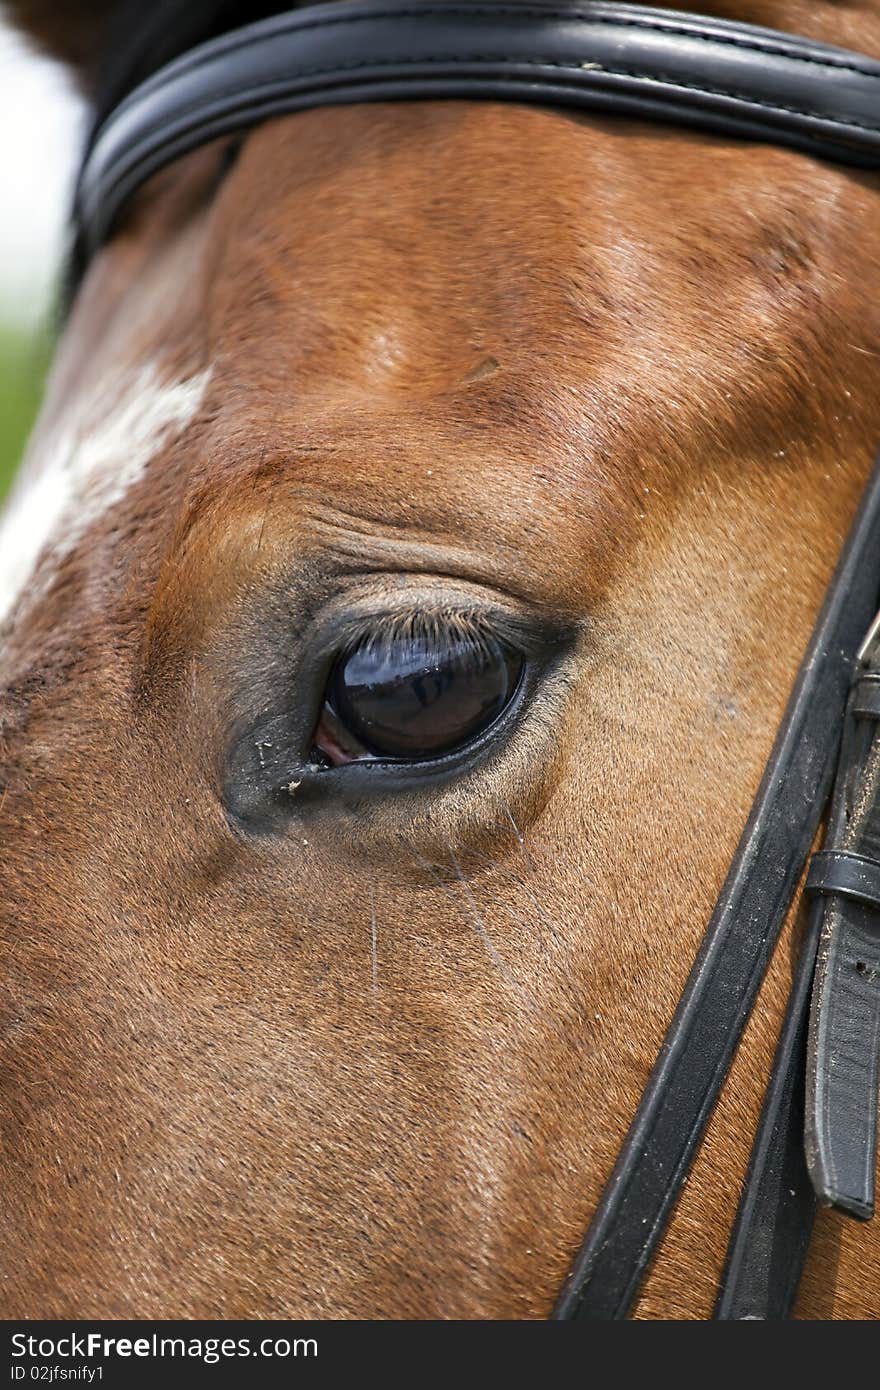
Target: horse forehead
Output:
{"points": [[376, 337], [398, 248], [431, 211]]}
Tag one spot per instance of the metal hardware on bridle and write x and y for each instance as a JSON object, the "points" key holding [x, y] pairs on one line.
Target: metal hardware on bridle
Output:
{"points": [[814, 1141]]}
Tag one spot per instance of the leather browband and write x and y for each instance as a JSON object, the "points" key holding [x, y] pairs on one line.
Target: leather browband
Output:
{"points": [[726, 78]]}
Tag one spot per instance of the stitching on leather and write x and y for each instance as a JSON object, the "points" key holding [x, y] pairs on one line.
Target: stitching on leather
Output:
{"points": [[780, 49], [539, 62], [635, 22]]}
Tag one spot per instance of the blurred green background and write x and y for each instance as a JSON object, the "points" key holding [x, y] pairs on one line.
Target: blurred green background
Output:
{"points": [[24, 358], [42, 120]]}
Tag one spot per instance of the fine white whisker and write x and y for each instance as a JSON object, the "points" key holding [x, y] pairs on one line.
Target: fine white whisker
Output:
{"points": [[478, 921], [474, 916], [374, 938], [516, 830], [520, 838]]}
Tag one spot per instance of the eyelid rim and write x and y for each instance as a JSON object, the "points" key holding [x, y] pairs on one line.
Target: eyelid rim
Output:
{"points": [[461, 745], [278, 693], [328, 705], [330, 631]]}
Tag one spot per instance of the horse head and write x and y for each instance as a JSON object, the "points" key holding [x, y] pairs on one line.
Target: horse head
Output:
{"points": [[429, 509]]}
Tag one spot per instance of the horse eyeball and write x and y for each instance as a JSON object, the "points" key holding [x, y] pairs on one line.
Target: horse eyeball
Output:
{"points": [[413, 698]]}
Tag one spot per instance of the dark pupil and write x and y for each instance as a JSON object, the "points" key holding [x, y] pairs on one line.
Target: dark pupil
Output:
{"points": [[411, 699]]}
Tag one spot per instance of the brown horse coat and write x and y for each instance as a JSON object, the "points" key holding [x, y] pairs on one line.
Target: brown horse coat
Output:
{"points": [[611, 387]]}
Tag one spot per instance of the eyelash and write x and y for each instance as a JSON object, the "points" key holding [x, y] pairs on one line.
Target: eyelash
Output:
{"points": [[421, 627]]}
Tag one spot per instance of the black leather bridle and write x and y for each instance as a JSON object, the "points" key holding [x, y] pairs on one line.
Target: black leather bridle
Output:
{"points": [[815, 1141]]}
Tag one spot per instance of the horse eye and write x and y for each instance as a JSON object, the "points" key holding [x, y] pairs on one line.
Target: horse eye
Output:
{"points": [[413, 698]]}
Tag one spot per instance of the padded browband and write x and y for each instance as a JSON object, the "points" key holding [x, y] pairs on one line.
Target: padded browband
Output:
{"points": [[726, 78]]}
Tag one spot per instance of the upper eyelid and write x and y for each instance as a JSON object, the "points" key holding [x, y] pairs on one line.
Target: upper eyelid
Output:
{"points": [[333, 632], [424, 629]]}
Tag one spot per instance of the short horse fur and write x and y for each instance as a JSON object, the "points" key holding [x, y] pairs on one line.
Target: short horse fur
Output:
{"points": [[614, 381]]}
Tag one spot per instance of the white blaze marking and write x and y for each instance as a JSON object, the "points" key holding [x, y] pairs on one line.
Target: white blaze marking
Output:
{"points": [[89, 462]]}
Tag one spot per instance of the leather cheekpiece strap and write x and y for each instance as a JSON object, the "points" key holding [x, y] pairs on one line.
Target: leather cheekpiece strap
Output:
{"points": [[729, 79], [771, 1232], [774, 1220], [866, 696], [819, 1145], [701, 1040]]}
